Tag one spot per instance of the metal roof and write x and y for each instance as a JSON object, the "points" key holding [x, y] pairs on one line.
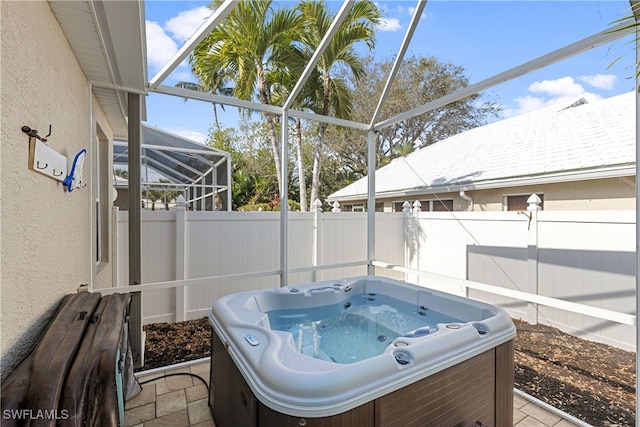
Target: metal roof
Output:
{"points": [[176, 158], [556, 144]]}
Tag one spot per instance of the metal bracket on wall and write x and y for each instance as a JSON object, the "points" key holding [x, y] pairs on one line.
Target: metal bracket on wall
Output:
{"points": [[43, 158], [33, 133], [528, 215]]}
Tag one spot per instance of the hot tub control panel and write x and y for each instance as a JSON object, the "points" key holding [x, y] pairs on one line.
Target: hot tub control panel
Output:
{"points": [[251, 339]]}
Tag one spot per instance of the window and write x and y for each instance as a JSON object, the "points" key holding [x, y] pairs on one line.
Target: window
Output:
{"points": [[519, 202], [442, 205], [428, 205]]}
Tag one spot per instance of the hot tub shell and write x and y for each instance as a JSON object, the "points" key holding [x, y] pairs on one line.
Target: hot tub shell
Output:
{"points": [[459, 374]]}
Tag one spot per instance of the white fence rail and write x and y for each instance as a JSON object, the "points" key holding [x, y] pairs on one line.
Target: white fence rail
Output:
{"points": [[183, 245], [580, 257], [552, 270]]}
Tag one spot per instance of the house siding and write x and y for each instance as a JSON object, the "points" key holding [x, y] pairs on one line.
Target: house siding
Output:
{"points": [[45, 246], [601, 194]]}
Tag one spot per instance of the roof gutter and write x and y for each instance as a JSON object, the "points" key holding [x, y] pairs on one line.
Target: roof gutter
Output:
{"points": [[554, 178]]}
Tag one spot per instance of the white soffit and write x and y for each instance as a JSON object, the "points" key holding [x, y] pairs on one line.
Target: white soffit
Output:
{"points": [[108, 40]]}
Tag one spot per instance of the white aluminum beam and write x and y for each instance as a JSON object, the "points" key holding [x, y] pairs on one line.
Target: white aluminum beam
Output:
{"points": [[372, 136], [326, 39], [225, 100], [399, 58], [168, 157], [573, 307], [106, 85], [164, 175], [284, 200], [583, 45], [328, 119], [207, 152], [202, 32], [159, 166], [634, 9], [180, 185]]}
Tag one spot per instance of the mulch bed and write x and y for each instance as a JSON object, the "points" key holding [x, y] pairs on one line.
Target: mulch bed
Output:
{"points": [[591, 381]]}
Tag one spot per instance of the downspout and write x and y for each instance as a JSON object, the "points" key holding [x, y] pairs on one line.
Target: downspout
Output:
{"points": [[468, 199]]}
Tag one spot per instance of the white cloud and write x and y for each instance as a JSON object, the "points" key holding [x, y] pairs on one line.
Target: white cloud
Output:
{"points": [[187, 22], [160, 47], [162, 41], [189, 134], [524, 105], [564, 86], [600, 81], [389, 24], [561, 92]]}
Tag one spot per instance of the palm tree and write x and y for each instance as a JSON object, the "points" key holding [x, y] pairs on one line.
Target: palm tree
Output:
{"points": [[291, 66], [242, 46], [358, 26]]}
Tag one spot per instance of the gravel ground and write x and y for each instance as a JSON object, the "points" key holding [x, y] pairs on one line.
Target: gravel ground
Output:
{"points": [[591, 381]]}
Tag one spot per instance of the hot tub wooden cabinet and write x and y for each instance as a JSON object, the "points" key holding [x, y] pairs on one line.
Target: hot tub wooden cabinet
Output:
{"points": [[478, 389], [364, 351]]}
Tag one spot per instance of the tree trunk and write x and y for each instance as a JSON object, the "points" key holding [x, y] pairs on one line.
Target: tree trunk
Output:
{"points": [[273, 132], [275, 147], [301, 178], [215, 116], [317, 156]]}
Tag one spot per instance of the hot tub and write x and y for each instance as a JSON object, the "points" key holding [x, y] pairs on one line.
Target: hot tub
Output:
{"points": [[359, 351]]}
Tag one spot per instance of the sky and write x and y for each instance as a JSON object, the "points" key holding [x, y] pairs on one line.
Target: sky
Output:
{"points": [[483, 37]]}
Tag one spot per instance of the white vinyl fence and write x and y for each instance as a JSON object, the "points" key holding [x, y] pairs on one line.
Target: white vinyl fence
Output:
{"points": [[584, 257], [179, 245]]}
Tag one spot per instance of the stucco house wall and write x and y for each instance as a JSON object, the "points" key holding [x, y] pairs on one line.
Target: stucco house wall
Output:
{"points": [[46, 233], [602, 194]]}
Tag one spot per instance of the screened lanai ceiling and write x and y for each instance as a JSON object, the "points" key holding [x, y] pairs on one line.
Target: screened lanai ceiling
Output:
{"points": [[376, 121], [175, 158]]}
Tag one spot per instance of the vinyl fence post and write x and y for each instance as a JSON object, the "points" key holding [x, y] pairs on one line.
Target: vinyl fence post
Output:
{"points": [[533, 281], [181, 258], [115, 246], [410, 244], [317, 210]]}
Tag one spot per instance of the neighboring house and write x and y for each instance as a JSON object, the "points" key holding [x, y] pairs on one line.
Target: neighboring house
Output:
{"points": [[200, 173], [71, 65], [574, 157]]}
